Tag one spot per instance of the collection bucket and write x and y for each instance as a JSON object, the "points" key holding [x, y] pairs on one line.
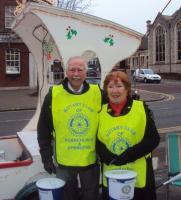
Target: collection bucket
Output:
{"points": [[50, 188], [121, 184]]}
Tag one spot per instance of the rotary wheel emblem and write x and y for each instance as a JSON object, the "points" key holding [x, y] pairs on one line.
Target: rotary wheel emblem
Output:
{"points": [[126, 189], [78, 124], [119, 145]]}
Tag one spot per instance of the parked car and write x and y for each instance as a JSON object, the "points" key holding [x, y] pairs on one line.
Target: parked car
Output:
{"points": [[93, 75], [146, 75]]}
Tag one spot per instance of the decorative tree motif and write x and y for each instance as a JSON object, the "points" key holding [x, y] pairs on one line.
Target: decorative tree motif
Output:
{"points": [[48, 49], [70, 32], [109, 40]]}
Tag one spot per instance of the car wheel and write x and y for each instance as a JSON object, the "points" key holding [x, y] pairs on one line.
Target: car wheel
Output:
{"points": [[145, 80]]}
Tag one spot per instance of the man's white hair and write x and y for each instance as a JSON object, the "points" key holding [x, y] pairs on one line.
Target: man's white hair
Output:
{"points": [[76, 57]]}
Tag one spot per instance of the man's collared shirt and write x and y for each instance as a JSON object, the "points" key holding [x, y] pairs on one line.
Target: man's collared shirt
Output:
{"points": [[75, 91]]}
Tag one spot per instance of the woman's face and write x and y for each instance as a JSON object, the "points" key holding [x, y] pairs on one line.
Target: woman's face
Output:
{"points": [[116, 91]]}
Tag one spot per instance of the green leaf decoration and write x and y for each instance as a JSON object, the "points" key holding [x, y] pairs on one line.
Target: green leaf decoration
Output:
{"points": [[70, 33], [109, 40], [74, 32], [106, 39]]}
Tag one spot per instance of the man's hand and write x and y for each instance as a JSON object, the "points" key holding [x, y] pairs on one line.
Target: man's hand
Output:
{"points": [[50, 167]]}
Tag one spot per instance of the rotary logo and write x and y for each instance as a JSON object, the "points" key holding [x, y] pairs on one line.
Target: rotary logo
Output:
{"points": [[78, 124], [126, 189], [119, 145]]}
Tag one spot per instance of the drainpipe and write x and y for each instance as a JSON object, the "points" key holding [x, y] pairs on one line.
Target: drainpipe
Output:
{"points": [[139, 62], [170, 48], [169, 34]]}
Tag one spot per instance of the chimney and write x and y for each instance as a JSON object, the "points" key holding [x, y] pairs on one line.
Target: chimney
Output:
{"points": [[148, 22]]}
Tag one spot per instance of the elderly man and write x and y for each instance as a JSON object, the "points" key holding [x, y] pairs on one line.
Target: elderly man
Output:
{"points": [[69, 116]]}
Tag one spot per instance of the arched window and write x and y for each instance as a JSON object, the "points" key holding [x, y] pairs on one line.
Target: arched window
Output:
{"points": [[160, 44], [179, 40]]}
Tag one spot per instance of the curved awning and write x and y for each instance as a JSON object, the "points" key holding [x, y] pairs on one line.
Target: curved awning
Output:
{"points": [[72, 33]]}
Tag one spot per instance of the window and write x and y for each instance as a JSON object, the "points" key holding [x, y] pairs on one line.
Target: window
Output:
{"points": [[9, 16], [137, 61], [142, 60], [179, 40], [12, 61], [141, 72], [92, 62], [160, 44]]}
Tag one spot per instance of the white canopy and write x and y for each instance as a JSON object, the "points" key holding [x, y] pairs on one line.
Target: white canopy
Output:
{"points": [[65, 33]]}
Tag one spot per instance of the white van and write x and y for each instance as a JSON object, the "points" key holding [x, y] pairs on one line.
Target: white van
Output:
{"points": [[146, 75]]}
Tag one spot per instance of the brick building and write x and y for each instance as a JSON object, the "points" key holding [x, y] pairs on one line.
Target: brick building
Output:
{"points": [[17, 67]]}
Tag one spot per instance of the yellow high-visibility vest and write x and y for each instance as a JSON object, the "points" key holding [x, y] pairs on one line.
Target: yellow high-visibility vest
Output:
{"points": [[121, 133], [75, 120]]}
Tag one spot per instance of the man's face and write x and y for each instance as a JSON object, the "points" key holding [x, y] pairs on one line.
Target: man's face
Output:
{"points": [[76, 72]]}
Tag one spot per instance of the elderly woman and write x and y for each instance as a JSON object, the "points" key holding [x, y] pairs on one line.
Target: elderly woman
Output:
{"points": [[127, 135]]}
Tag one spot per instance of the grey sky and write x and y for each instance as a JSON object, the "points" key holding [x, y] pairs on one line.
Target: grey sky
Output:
{"points": [[132, 13]]}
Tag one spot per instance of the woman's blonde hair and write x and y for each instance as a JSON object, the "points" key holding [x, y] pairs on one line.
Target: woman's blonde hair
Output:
{"points": [[116, 76]]}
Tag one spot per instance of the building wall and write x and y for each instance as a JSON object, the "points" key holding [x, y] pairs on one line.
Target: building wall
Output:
{"points": [[14, 80], [23, 79], [4, 3], [171, 63], [139, 60]]}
